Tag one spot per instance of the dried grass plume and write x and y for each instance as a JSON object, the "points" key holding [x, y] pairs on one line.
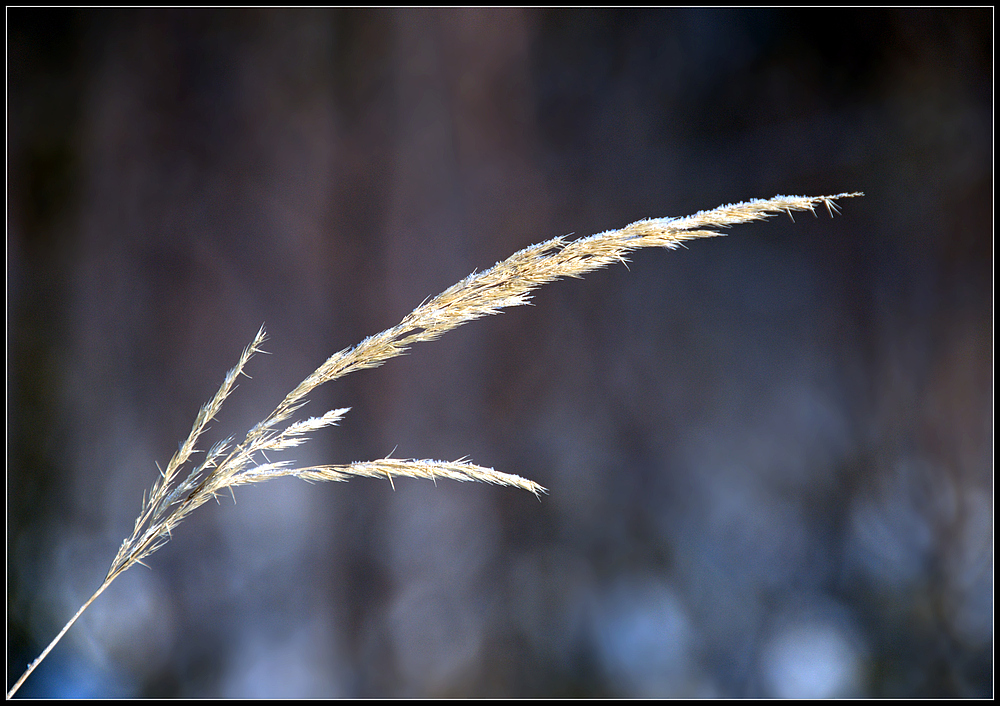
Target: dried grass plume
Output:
{"points": [[228, 463]]}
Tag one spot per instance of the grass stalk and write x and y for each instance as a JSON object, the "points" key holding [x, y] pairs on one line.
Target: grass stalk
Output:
{"points": [[509, 283]]}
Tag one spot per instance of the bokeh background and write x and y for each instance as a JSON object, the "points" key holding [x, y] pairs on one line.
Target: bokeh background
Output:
{"points": [[769, 455]]}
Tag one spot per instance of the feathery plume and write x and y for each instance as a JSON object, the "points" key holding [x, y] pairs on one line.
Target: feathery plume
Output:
{"points": [[506, 284]]}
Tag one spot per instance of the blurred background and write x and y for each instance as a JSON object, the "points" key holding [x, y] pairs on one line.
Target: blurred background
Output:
{"points": [[769, 455]]}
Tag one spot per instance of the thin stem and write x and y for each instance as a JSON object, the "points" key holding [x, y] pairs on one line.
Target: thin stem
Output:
{"points": [[45, 652]]}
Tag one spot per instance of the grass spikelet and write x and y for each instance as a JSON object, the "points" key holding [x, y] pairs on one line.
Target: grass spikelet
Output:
{"points": [[509, 283]]}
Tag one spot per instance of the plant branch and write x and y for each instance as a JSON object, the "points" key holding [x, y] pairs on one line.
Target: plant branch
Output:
{"points": [[506, 284]]}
